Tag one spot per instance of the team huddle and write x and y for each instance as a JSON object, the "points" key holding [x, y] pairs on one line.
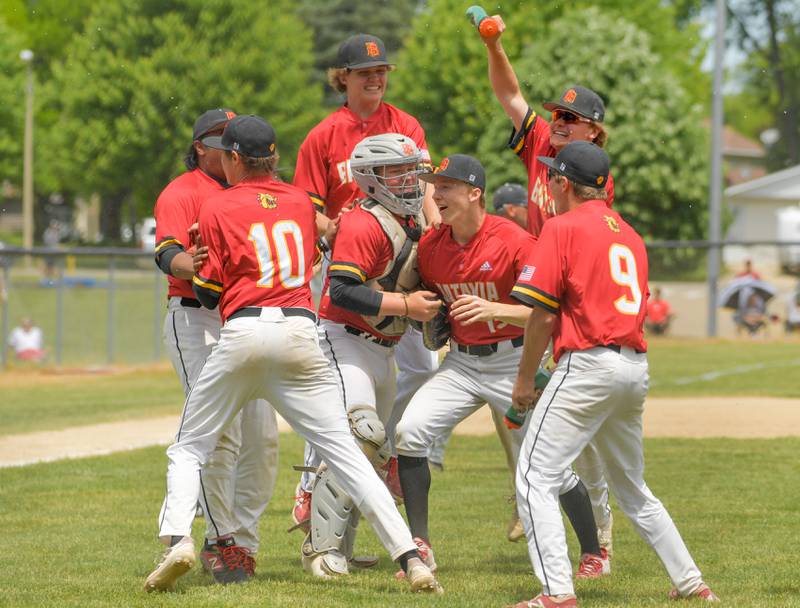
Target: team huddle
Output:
{"points": [[554, 285]]}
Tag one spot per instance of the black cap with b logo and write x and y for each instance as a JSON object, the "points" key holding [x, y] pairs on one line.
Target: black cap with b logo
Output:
{"points": [[248, 135], [580, 100], [581, 162], [361, 51], [210, 120]]}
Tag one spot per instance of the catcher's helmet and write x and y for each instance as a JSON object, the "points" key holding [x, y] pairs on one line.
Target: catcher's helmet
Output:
{"points": [[399, 193]]}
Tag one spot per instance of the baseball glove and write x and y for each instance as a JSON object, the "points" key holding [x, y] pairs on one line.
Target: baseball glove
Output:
{"points": [[436, 332]]}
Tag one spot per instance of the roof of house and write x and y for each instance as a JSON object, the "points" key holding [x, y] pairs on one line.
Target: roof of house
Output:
{"points": [[736, 144], [781, 185]]}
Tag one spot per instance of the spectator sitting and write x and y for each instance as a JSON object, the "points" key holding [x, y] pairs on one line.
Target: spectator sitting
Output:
{"points": [[659, 313], [27, 342], [748, 271], [511, 202], [792, 322], [752, 315]]}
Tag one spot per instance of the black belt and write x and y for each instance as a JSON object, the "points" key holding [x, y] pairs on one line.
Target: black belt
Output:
{"points": [[255, 311], [484, 350], [191, 303], [618, 349], [368, 336]]}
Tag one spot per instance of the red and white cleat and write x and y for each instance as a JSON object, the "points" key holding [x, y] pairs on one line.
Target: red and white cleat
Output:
{"points": [[549, 601], [425, 554], [593, 566], [701, 593]]}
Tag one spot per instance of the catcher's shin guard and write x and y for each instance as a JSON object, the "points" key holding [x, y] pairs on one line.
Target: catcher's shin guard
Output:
{"points": [[328, 546]]}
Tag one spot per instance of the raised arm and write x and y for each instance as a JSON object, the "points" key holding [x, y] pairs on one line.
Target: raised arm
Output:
{"points": [[503, 79]]}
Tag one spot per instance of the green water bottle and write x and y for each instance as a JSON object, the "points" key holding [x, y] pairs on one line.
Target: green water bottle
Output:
{"points": [[514, 419]]}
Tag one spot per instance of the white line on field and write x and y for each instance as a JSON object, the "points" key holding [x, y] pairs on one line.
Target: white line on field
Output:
{"points": [[731, 371]]}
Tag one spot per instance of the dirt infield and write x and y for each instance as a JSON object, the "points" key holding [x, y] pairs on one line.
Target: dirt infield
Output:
{"points": [[747, 417]]}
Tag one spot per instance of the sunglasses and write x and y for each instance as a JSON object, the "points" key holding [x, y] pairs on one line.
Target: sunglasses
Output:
{"points": [[568, 116]]}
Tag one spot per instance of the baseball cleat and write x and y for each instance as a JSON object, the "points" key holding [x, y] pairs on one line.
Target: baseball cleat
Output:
{"points": [[301, 512], [605, 537], [227, 562], [176, 561], [549, 601], [515, 531], [594, 566], [703, 592], [422, 579], [425, 554]]}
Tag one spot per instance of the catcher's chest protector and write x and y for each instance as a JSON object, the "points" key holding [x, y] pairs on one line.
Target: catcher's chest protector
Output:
{"points": [[401, 273]]}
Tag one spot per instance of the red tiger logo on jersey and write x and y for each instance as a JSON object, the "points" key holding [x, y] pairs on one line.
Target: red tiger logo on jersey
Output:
{"points": [[268, 201], [570, 96], [372, 49]]}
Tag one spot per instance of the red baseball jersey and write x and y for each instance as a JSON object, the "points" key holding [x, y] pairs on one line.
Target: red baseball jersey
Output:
{"points": [[323, 162], [261, 236], [531, 141], [590, 269], [487, 267], [361, 251], [176, 209]]}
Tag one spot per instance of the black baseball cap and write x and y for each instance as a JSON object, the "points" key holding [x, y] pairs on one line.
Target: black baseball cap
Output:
{"points": [[582, 101], [461, 167], [581, 162], [248, 135], [361, 51], [210, 119], [510, 194]]}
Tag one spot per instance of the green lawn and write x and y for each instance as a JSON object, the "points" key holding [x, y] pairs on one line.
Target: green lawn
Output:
{"points": [[33, 401], [83, 534]]}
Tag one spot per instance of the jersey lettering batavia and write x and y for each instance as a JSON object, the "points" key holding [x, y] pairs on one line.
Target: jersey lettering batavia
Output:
{"points": [[487, 267], [261, 236], [529, 142], [323, 162], [176, 210], [590, 269], [362, 252]]}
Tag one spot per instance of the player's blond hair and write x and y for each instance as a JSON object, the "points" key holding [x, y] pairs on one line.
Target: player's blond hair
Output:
{"points": [[335, 76], [601, 139], [589, 193], [256, 165]]}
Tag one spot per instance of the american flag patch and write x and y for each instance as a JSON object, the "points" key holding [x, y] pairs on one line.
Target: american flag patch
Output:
{"points": [[527, 273]]}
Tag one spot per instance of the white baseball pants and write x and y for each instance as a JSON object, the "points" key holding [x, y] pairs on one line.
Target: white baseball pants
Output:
{"points": [[238, 480], [594, 394], [277, 358]]}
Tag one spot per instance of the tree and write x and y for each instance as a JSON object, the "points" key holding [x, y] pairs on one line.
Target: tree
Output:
{"points": [[129, 89], [333, 21], [12, 105], [657, 144], [441, 76]]}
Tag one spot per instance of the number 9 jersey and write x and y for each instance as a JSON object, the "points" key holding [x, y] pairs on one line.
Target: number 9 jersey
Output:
{"points": [[601, 295], [261, 237]]}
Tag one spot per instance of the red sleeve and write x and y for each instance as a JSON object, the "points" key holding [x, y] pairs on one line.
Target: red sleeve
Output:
{"points": [[610, 191], [209, 278], [311, 172], [525, 141], [541, 281], [526, 245], [361, 249], [174, 213]]}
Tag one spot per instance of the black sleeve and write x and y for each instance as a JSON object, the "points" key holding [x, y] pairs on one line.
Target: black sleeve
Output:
{"points": [[206, 292], [353, 295], [167, 249], [517, 140]]}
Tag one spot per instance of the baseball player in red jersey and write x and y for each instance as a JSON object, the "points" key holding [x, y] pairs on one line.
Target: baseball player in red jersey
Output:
{"points": [[472, 262], [577, 116], [261, 238], [240, 475], [369, 295], [587, 285], [323, 170]]}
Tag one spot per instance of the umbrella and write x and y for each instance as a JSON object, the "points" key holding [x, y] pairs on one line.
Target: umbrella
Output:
{"points": [[740, 289]]}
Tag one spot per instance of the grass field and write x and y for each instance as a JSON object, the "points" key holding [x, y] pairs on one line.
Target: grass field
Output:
{"points": [[83, 534], [32, 401]]}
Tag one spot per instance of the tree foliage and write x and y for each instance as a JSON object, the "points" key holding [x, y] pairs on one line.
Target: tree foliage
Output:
{"points": [[12, 104], [129, 89], [657, 144]]}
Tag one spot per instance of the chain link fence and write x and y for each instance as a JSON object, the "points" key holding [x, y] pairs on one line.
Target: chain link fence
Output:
{"points": [[102, 306]]}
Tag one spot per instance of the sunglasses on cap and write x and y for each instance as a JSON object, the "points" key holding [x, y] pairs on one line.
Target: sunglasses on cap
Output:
{"points": [[568, 116]]}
